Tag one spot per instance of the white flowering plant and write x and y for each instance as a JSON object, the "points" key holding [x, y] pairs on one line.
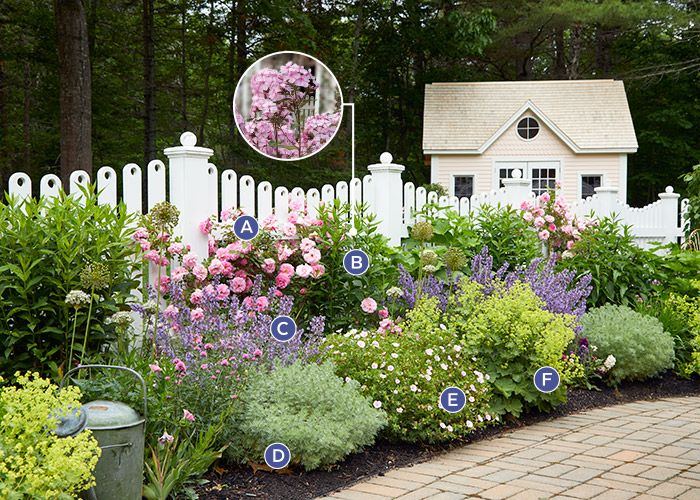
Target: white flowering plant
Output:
{"points": [[405, 375]]}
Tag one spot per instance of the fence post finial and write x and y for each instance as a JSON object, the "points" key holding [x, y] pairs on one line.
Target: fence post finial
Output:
{"points": [[388, 197], [188, 167], [517, 189]]}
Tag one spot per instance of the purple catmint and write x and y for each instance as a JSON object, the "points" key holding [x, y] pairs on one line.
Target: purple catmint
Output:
{"points": [[430, 287]]}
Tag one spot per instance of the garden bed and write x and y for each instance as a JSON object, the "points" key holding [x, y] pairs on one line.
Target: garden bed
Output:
{"points": [[241, 482]]}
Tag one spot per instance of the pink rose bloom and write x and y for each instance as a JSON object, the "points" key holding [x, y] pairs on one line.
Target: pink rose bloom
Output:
{"points": [[222, 292], [525, 205], [313, 256], [287, 269], [209, 291], [257, 353], [216, 267], [176, 248], [179, 365], [270, 222], [369, 305], [539, 212], [179, 273], [164, 282], [318, 270], [282, 280], [296, 204], [383, 313], [228, 269], [226, 214], [205, 226], [304, 270], [187, 415], [155, 368], [268, 266], [190, 260], [552, 227], [293, 218], [262, 304], [549, 218], [283, 253], [164, 261], [200, 272], [278, 293], [302, 291], [545, 197], [539, 222], [223, 254], [140, 234], [197, 314], [249, 302], [164, 237], [211, 247], [289, 230], [197, 296], [307, 244], [171, 311], [238, 284], [152, 255], [567, 229], [570, 244], [527, 216], [145, 245], [543, 235]]}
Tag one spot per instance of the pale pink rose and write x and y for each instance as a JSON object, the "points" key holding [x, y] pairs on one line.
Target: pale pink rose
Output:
{"points": [[527, 216], [164, 237], [304, 270], [539, 212], [190, 260], [211, 246], [543, 235], [145, 245], [369, 305], [307, 244], [187, 415], [289, 230], [153, 256], [318, 270], [197, 314], [140, 234], [525, 205], [287, 269], [552, 227], [313, 256], [222, 292], [200, 272], [164, 261], [545, 197], [383, 313], [549, 218], [176, 248], [539, 222], [223, 254], [171, 311], [197, 296], [282, 280], [164, 282], [226, 214], [270, 222], [238, 284], [296, 204], [283, 253], [249, 302], [216, 267], [209, 291], [179, 273], [567, 229], [268, 266], [262, 304], [205, 226], [293, 218]]}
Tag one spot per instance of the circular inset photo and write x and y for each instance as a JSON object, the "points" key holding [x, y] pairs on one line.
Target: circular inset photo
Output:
{"points": [[288, 105]]}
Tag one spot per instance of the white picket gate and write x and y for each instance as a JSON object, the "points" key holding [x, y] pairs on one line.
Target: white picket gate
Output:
{"points": [[195, 187]]}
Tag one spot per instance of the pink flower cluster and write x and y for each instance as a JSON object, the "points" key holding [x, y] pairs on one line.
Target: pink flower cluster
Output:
{"points": [[275, 125], [554, 222]]}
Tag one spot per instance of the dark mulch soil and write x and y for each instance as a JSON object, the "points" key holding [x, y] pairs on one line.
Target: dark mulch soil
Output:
{"points": [[233, 482]]}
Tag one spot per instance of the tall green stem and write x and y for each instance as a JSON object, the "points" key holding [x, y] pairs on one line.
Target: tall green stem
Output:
{"points": [[87, 326], [155, 319], [69, 361]]}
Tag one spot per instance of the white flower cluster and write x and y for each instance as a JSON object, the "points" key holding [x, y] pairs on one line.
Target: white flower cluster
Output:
{"points": [[77, 297]]}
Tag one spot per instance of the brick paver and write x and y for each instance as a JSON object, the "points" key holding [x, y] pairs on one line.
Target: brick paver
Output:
{"points": [[640, 450]]}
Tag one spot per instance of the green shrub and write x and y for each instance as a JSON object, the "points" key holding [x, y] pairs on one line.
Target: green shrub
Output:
{"points": [[692, 180], [44, 247], [319, 417], [622, 273], [513, 336], [34, 462], [407, 373], [641, 347]]}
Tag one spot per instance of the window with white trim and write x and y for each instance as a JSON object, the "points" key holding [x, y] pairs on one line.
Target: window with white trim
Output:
{"points": [[589, 183], [505, 173], [463, 186], [543, 179]]}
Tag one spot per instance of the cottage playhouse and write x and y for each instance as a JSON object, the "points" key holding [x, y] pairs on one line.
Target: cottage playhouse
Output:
{"points": [[578, 132]]}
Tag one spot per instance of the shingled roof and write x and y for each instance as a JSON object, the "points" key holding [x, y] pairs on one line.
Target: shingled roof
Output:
{"points": [[589, 115]]}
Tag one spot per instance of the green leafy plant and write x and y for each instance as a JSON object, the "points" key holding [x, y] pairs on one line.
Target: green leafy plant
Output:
{"points": [[622, 272], [640, 346], [405, 375], [44, 247], [692, 180], [513, 336], [35, 462], [316, 414], [507, 236]]}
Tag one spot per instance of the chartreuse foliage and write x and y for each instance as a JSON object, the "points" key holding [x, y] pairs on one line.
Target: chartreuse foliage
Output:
{"points": [[405, 375], [320, 417], [513, 336], [639, 343], [34, 462], [44, 248]]}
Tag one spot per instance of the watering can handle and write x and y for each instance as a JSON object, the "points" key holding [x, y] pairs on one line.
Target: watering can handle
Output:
{"points": [[124, 368]]}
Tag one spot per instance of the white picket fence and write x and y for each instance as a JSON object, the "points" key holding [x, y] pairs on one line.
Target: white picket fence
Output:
{"points": [[196, 188]]}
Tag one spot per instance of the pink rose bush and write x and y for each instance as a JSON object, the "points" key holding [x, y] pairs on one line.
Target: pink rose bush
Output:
{"points": [[556, 225], [275, 125]]}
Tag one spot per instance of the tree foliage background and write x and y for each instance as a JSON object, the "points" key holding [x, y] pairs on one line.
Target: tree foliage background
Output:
{"points": [[382, 52]]}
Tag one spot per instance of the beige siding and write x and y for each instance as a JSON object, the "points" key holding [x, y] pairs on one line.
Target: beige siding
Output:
{"points": [[546, 146]]}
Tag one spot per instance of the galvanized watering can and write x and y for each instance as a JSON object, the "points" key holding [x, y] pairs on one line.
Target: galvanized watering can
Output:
{"points": [[120, 432]]}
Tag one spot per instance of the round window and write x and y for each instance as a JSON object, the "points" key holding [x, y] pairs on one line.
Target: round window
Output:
{"points": [[528, 128]]}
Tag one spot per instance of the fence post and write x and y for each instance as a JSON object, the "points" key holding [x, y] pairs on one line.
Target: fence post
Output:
{"points": [[669, 215], [607, 199], [517, 189], [188, 166], [388, 197]]}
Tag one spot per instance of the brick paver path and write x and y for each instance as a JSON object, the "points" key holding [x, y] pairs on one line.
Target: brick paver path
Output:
{"points": [[648, 449]]}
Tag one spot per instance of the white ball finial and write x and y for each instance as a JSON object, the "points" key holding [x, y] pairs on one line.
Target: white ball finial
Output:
{"points": [[669, 189], [386, 158], [188, 139], [517, 174]]}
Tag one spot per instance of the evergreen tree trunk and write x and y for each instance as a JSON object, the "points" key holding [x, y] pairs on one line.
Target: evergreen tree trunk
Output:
{"points": [[559, 55], [185, 125], [75, 94], [149, 86]]}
